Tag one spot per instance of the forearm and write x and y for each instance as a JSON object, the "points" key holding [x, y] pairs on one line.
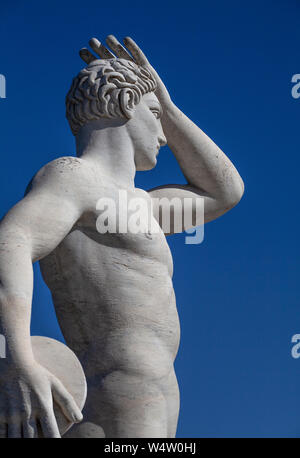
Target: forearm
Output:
{"points": [[16, 285], [202, 162]]}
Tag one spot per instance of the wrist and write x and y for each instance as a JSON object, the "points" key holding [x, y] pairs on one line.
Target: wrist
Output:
{"points": [[19, 356], [170, 111], [164, 98], [11, 369]]}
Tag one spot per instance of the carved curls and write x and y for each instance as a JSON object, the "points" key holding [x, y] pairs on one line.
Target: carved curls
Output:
{"points": [[104, 89]]}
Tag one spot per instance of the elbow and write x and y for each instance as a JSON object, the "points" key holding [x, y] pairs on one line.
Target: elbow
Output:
{"points": [[228, 198], [233, 195], [238, 192]]}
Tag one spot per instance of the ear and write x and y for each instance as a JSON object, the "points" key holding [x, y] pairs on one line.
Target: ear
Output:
{"points": [[127, 102]]}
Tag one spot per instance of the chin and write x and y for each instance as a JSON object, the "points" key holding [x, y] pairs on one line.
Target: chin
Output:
{"points": [[149, 165]]}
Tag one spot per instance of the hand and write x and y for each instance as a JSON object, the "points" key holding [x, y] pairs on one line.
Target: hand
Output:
{"points": [[26, 402], [136, 56]]}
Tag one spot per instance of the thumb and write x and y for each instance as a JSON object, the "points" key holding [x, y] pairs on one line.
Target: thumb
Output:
{"points": [[66, 401]]}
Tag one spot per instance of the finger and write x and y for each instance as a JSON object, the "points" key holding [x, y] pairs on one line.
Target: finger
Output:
{"points": [[29, 429], [49, 425], [3, 430], [117, 48], [14, 430], [66, 402], [87, 56], [137, 53], [100, 49]]}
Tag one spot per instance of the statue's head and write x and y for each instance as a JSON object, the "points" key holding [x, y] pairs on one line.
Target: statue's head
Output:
{"points": [[118, 89]]}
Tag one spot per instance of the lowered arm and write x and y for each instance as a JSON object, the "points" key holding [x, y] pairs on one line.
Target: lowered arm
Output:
{"points": [[30, 231]]}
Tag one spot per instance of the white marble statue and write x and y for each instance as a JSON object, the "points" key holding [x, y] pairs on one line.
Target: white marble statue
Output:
{"points": [[113, 291]]}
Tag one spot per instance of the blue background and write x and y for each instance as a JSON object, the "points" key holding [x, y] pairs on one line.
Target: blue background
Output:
{"points": [[228, 65]]}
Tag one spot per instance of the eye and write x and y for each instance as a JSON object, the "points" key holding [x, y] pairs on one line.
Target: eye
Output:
{"points": [[156, 112]]}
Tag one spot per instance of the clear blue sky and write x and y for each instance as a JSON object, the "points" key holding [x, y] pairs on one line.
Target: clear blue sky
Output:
{"points": [[228, 65]]}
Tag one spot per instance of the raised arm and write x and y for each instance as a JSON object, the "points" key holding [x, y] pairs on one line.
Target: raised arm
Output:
{"points": [[30, 231], [209, 173]]}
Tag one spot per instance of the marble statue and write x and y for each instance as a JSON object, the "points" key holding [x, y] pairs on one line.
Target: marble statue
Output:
{"points": [[112, 291]]}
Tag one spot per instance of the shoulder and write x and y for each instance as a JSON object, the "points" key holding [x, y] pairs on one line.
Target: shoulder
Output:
{"points": [[62, 168], [64, 172], [68, 179]]}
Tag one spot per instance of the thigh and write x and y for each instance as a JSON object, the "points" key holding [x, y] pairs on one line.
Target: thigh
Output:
{"points": [[85, 429], [124, 405], [172, 396]]}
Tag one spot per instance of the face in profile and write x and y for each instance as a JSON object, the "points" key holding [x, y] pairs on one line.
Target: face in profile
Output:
{"points": [[146, 131]]}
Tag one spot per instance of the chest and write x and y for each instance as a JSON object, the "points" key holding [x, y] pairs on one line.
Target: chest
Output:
{"points": [[123, 220]]}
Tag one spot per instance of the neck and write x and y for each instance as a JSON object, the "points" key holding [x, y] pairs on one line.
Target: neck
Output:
{"points": [[106, 144]]}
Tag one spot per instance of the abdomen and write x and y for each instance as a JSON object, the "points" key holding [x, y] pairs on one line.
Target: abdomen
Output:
{"points": [[114, 304]]}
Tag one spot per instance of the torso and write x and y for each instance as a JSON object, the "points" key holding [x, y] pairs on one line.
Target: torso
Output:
{"points": [[114, 296]]}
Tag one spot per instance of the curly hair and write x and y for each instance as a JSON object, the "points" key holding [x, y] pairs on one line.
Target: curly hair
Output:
{"points": [[104, 88]]}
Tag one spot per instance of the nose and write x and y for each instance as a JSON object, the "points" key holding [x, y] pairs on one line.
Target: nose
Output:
{"points": [[162, 140]]}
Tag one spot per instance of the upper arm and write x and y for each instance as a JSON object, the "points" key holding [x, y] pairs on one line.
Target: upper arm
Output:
{"points": [[47, 213], [190, 207]]}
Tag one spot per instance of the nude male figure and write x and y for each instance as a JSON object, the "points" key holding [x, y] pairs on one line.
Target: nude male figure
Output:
{"points": [[112, 292]]}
